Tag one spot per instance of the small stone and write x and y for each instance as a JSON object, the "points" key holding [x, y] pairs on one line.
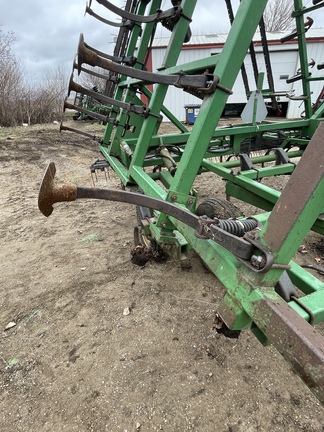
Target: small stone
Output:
{"points": [[10, 325], [126, 311]]}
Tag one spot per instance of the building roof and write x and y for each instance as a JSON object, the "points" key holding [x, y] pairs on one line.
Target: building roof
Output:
{"points": [[219, 39]]}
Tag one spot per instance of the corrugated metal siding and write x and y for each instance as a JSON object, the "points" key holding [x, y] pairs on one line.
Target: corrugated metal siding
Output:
{"points": [[316, 52], [283, 64], [184, 57], [283, 59], [216, 39]]}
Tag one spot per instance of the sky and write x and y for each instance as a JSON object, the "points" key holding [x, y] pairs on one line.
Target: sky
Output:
{"points": [[47, 32]]}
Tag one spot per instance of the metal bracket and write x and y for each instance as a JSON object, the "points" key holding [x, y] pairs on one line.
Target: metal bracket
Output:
{"points": [[281, 156], [245, 162]]}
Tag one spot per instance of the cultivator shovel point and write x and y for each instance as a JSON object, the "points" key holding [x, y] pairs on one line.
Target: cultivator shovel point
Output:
{"points": [[252, 257], [99, 166], [50, 193]]}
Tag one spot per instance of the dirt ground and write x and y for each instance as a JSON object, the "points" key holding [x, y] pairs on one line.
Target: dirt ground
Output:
{"points": [[76, 360]]}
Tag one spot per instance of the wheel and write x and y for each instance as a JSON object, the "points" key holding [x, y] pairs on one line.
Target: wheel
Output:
{"points": [[146, 248], [218, 208], [140, 237]]}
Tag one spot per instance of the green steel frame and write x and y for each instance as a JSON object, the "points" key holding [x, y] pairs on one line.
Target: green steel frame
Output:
{"points": [[135, 152]]}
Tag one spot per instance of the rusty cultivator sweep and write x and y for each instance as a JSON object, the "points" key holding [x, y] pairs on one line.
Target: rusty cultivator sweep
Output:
{"points": [[266, 291]]}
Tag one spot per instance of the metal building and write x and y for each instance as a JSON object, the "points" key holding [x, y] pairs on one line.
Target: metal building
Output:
{"points": [[284, 60]]}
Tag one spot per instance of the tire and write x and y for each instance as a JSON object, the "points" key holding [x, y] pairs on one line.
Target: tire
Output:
{"points": [[139, 235], [218, 208], [146, 248]]}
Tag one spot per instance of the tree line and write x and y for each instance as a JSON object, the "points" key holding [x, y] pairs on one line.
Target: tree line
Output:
{"points": [[22, 101]]}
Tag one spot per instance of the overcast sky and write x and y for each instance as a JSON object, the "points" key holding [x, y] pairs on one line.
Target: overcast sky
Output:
{"points": [[47, 32]]}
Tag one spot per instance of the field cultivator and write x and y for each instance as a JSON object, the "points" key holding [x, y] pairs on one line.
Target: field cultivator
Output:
{"points": [[85, 106], [266, 291]]}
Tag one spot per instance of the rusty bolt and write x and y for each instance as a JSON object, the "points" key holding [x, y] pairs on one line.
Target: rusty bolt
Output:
{"points": [[163, 224], [174, 197], [190, 201]]}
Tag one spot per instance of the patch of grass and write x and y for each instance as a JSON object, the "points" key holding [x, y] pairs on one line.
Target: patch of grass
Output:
{"points": [[12, 363], [33, 315], [9, 364], [92, 237]]}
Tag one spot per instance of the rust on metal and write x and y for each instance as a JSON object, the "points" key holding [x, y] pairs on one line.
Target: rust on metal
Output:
{"points": [[288, 208], [297, 341], [50, 193]]}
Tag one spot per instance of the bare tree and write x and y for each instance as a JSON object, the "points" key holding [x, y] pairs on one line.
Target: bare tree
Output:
{"points": [[43, 102], [10, 90], [277, 15], [6, 40], [90, 81], [54, 89], [11, 82], [23, 101]]}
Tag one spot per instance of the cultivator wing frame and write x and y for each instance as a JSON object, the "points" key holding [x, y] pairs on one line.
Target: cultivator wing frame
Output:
{"points": [[258, 263]]}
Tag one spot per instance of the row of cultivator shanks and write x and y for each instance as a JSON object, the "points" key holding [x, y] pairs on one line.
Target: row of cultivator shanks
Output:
{"points": [[253, 257]]}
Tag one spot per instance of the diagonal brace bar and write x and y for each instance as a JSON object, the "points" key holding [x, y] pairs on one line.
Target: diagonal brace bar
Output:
{"points": [[300, 202]]}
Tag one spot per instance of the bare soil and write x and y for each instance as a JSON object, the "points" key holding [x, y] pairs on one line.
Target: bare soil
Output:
{"points": [[76, 360]]}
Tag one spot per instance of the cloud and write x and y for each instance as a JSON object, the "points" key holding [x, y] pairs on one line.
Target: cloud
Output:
{"points": [[47, 33]]}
